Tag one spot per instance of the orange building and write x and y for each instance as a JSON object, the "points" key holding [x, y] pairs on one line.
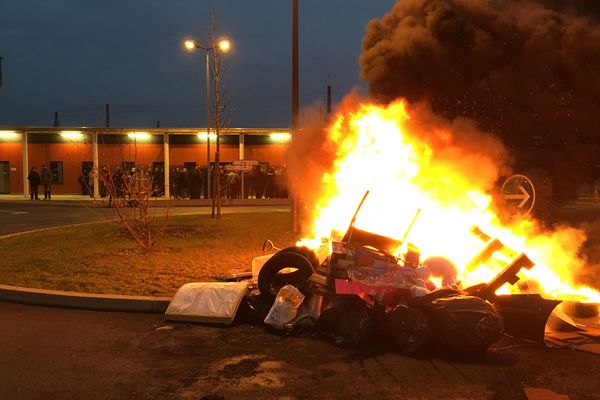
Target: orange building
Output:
{"points": [[68, 152]]}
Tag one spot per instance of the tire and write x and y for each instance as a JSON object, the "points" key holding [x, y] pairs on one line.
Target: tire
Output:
{"points": [[270, 280], [304, 251]]}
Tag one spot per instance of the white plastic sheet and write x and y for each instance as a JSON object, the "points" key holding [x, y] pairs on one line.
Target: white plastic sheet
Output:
{"points": [[212, 302]]}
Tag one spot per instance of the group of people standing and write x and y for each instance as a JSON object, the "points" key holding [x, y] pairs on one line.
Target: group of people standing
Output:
{"points": [[134, 185], [35, 179], [261, 182], [191, 184]]}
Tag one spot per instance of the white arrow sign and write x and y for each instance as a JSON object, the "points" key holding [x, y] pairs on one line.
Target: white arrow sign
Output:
{"points": [[523, 197], [519, 188]]}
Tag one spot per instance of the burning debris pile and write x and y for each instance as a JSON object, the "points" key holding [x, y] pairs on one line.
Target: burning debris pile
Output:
{"points": [[412, 162], [372, 293], [427, 258]]}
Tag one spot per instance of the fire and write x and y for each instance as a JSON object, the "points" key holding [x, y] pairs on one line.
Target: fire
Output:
{"points": [[429, 173]]}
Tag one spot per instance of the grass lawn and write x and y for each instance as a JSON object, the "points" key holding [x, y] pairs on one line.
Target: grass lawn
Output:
{"points": [[100, 258]]}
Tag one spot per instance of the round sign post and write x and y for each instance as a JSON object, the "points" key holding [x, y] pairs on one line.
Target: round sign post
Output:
{"points": [[518, 193]]}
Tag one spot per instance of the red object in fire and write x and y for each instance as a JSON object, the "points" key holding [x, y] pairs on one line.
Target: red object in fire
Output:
{"points": [[385, 295]]}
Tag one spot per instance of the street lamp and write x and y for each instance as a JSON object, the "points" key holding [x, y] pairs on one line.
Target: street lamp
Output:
{"points": [[224, 46]]}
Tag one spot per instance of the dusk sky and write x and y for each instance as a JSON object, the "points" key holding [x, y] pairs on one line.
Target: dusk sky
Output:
{"points": [[75, 56]]}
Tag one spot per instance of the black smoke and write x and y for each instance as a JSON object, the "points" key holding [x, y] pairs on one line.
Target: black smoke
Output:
{"points": [[526, 71]]}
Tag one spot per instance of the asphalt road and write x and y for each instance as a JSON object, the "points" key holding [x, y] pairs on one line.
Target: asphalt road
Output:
{"points": [[18, 217], [49, 353], [23, 216]]}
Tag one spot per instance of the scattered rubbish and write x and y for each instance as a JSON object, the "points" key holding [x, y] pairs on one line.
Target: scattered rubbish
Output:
{"points": [[560, 321], [525, 315], [306, 322], [593, 348], [285, 307], [363, 288], [461, 323], [211, 302], [238, 277], [369, 290], [283, 268], [307, 316], [253, 309], [346, 321], [257, 264], [408, 330], [584, 339], [578, 309]]}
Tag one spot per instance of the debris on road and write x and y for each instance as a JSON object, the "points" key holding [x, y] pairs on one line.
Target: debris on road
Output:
{"points": [[211, 302], [358, 289], [285, 307]]}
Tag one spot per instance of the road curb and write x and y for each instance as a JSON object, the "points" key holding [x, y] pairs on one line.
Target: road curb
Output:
{"points": [[85, 301]]}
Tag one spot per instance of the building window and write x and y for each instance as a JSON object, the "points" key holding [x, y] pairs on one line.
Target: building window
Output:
{"points": [[56, 169]]}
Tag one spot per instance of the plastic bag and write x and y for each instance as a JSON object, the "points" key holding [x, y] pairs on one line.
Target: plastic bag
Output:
{"points": [[408, 330], [285, 307], [464, 324]]}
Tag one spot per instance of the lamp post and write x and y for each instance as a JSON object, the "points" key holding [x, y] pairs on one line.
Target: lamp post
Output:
{"points": [[224, 46]]}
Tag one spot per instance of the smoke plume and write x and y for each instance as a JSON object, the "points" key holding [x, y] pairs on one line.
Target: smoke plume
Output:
{"points": [[526, 71]]}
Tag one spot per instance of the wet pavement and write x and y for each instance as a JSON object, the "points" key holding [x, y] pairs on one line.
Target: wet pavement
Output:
{"points": [[50, 353]]}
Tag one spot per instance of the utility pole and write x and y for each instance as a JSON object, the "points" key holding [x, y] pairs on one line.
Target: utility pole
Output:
{"points": [[56, 121], [217, 75], [207, 101], [295, 99]]}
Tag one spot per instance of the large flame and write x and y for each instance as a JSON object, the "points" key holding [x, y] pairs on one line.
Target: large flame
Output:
{"points": [[410, 171]]}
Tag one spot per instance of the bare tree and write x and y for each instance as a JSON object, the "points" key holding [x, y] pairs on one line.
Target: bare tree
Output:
{"points": [[131, 192]]}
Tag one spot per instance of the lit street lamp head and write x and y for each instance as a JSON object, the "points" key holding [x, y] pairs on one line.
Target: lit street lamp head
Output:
{"points": [[190, 45], [224, 45]]}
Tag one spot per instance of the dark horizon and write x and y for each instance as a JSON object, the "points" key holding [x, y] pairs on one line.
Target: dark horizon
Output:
{"points": [[74, 59]]}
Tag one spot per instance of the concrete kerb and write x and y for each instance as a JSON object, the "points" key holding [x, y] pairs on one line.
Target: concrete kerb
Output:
{"points": [[85, 301]]}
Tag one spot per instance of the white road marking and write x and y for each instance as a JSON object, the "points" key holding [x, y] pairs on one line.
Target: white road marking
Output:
{"points": [[13, 212]]}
